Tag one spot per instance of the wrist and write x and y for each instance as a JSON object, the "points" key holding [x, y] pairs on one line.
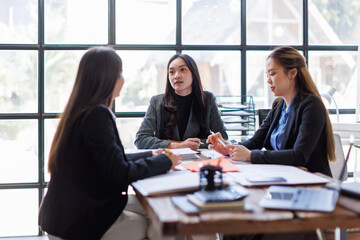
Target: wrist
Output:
{"points": [[173, 144], [249, 156]]}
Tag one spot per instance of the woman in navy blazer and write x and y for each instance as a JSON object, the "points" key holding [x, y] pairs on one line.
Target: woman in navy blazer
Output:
{"points": [[90, 173], [297, 131]]}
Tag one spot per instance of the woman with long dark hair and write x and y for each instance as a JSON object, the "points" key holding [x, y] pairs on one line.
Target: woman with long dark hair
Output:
{"points": [[90, 173], [184, 116], [297, 131]]}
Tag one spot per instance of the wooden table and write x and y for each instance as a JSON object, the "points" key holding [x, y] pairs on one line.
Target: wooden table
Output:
{"points": [[171, 221]]}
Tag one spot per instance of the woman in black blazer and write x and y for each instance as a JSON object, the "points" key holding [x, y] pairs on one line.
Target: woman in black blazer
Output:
{"points": [[90, 173], [297, 131], [184, 115]]}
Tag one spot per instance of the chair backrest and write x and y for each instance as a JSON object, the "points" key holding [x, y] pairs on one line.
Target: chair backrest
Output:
{"points": [[337, 166], [262, 113]]}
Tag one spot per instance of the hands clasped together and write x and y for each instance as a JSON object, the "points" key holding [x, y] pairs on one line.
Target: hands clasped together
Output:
{"points": [[236, 152]]}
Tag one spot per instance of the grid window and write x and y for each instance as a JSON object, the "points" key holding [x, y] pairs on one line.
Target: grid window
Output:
{"points": [[274, 22], [60, 73], [334, 22], [337, 69], [145, 22], [211, 22], [19, 21], [128, 128], [19, 151], [42, 41], [76, 21], [219, 71], [145, 76], [18, 81], [19, 210]]}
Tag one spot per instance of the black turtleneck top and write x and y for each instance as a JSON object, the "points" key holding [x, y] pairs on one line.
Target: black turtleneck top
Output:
{"points": [[184, 104]]}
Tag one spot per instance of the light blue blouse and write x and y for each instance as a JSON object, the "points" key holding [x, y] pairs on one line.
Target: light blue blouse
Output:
{"points": [[278, 133]]}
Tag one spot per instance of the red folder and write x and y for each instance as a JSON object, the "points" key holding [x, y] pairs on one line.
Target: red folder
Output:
{"points": [[226, 165]]}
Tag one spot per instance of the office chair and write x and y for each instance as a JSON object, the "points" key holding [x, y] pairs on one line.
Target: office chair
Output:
{"points": [[262, 113], [336, 167]]}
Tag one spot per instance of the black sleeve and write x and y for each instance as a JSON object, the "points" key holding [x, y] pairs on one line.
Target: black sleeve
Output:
{"points": [[311, 125], [101, 140], [136, 156]]}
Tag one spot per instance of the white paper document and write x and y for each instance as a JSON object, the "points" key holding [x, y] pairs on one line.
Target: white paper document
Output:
{"points": [[251, 175], [187, 153], [175, 181], [211, 154]]}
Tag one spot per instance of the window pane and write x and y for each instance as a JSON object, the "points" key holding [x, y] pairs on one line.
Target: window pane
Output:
{"points": [[336, 69], [19, 212], [19, 151], [274, 22], [145, 22], [256, 81], [18, 21], [50, 128], [145, 76], [18, 81], [211, 22], [76, 21], [219, 71], [334, 22], [60, 72], [128, 128]]}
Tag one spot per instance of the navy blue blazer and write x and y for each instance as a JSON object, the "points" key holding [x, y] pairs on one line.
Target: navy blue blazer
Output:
{"points": [[89, 191], [304, 140]]}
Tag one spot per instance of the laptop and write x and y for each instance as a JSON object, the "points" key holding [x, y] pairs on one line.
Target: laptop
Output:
{"points": [[305, 199], [300, 198]]}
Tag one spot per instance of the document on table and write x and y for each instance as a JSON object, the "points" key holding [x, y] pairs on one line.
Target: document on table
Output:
{"points": [[210, 154], [174, 181], [289, 175], [187, 153]]}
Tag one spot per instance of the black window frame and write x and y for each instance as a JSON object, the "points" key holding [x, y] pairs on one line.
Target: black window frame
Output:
{"points": [[41, 47]]}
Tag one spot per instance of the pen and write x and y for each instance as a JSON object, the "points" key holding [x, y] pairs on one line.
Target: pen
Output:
{"points": [[168, 152], [219, 140]]}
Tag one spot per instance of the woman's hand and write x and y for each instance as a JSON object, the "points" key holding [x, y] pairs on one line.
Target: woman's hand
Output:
{"points": [[175, 159], [193, 143], [215, 139], [157, 152], [239, 153]]}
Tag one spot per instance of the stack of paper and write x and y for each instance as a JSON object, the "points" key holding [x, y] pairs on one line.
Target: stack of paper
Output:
{"points": [[173, 182], [187, 153], [211, 154]]}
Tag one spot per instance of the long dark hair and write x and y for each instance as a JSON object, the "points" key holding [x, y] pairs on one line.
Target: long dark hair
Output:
{"points": [[198, 97], [99, 69], [289, 58]]}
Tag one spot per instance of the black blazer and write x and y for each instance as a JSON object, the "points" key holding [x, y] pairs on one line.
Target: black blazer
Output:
{"points": [[89, 191], [304, 140]]}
